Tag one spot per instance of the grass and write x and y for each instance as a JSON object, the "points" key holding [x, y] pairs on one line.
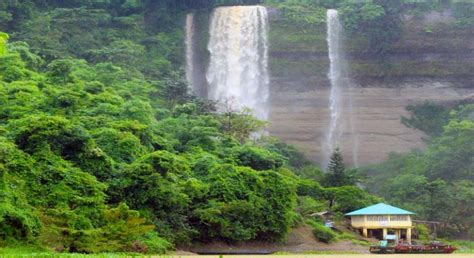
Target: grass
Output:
{"points": [[360, 242], [38, 252], [464, 246]]}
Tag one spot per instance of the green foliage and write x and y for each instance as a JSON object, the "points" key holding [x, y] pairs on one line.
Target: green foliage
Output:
{"points": [[248, 204], [311, 188], [439, 177], [451, 154], [303, 16], [123, 230], [321, 232], [336, 169], [120, 146], [153, 243], [50, 191], [308, 206], [423, 232], [349, 198], [296, 159], [257, 158], [337, 174], [32, 60], [18, 219], [3, 43], [239, 124], [379, 22], [463, 13], [428, 117], [464, 246], [119, 229]]}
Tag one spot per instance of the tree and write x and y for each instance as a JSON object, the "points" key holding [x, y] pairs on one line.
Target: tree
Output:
{"points": [[348, 198], [336, 171], [239, 123], [429, 117]]}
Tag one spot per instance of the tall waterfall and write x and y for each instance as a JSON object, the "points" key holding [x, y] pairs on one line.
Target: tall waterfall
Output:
{"points": [[338, 76], [189, 42], [238, 68]]}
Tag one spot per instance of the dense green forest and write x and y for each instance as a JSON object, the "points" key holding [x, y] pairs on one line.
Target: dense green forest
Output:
{"points": [[103, 148]]}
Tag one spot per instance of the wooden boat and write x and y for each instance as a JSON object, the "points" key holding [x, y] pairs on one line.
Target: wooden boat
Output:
{"points": [[432, 248]]}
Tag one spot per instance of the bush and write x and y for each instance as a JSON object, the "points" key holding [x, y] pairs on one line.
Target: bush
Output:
{"points": [[258, 159], [310, 188], [154, 244], [321, 232], [423, 232]]}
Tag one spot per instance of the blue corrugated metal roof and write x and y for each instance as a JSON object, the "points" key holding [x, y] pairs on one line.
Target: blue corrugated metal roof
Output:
{"points": [[380, 209]]}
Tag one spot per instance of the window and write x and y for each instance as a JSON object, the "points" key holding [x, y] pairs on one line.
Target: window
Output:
{"points": [[399, 218], [377, 218]]}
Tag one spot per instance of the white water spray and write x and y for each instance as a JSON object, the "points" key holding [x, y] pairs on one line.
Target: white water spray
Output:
{"points": [[338, 77], [238, 68], [190, 50]]}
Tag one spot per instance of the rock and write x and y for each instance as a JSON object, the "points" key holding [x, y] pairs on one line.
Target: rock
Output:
{"points": [[301, 118]]}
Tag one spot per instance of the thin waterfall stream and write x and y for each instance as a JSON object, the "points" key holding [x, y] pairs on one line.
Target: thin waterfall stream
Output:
{"points": [[340, 83], [189, 43]]}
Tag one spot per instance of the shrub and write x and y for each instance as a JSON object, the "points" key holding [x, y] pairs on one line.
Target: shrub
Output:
{"points": [[258, 159], [321, 232], [423, 232], [155, 244]]}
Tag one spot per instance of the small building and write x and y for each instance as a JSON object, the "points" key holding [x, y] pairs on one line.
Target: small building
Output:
{"points": [[382, 220]]}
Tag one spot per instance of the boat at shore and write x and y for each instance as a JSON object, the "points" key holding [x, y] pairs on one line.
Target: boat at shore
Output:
{"points": [[432, 248]]}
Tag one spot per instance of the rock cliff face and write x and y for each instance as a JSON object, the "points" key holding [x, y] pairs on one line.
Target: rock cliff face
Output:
{"points": [[433, 61]]}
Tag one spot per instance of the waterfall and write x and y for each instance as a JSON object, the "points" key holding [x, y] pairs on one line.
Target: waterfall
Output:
{"points": [[189, 43], [338, 77], [238, 67]]}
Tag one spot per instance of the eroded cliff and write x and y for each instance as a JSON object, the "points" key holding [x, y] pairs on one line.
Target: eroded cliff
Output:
{"points": [[432, 61]]}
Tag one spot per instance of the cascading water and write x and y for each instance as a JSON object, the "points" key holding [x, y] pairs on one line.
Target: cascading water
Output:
{"points": [[189, 40], [338, 77], [238, 68]]}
